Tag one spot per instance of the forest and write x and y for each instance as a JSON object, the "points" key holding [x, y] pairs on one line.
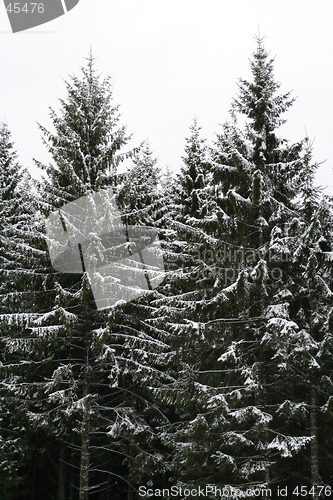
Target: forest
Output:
{"points": [[216, 381]]}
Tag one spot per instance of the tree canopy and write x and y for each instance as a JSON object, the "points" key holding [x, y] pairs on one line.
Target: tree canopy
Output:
{"points": [[218, 374]]}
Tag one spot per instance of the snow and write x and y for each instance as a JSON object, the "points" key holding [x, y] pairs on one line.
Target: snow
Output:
{"points": [[288, 446], [277, 311]]}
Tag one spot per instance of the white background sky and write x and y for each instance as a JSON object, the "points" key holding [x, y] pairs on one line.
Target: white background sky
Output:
{"points": [[169, 61]]}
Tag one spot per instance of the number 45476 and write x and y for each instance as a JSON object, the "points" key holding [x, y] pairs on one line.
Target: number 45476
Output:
{"points": [[314, 491], [16, 8]]}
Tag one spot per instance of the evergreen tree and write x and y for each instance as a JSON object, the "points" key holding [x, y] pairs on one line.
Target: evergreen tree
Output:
{"points": [[23, 291], [192, 178], [87, 140], [192, 222], [19, 233], [139, 189], [89, 397], [86, 150], [231, 390], [140, 357], [220, 374]]}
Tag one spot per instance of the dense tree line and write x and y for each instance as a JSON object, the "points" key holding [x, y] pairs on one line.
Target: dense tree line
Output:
{"points": [[221, 373]]}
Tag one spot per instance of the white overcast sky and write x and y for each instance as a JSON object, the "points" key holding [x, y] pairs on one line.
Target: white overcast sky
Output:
{"points": [[169, 61]]}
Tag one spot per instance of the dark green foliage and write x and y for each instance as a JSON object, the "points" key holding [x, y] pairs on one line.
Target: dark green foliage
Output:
{"points": [[23, 291], [243, 388], [87, 140]]}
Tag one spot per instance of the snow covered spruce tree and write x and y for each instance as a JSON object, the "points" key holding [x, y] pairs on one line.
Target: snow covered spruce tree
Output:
{"points": [[193, 222], [139, 189], [270, 219], [20, 225], [140, 357], [23, 263], [86, 148], [89, 392], [310, 360], [243, 409]]}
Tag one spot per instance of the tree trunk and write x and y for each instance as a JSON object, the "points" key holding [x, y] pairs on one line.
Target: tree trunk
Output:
{"points": [[84, 466], [130, 493], [62, 472], [315, 476], [72, 478], [263, 404], [33, 487]]}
